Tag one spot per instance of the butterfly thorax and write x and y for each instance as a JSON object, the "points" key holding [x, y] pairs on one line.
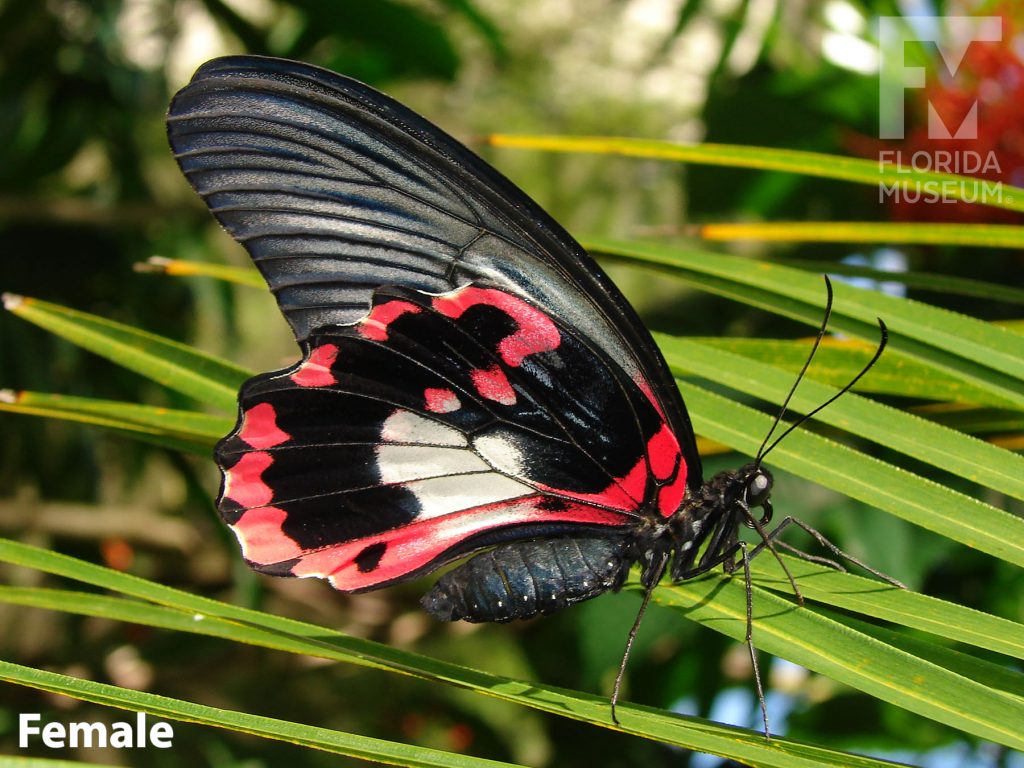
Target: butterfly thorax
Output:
{"points": [[705, 530]]}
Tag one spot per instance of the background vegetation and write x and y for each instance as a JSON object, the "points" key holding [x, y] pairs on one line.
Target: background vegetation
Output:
{"points": [[88, 190]]}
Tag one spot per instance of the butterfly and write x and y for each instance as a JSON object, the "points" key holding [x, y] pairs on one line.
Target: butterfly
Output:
{"points": [[472, 384]]}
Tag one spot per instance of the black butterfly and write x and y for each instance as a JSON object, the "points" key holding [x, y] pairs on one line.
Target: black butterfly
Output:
{"points": [[471, 380]]}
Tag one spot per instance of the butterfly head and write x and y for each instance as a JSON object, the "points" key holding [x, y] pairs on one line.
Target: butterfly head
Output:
{"points": [[755, 490]]}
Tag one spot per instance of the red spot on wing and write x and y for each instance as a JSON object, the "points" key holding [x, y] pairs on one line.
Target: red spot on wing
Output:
{"points": [[417, 545], [440, 400], [259, 428], [535, 333], [262, 539], [315, 370], [494, 385], [243, 483], [375, 325], [667, 464], [663, 452], [671, 496]]}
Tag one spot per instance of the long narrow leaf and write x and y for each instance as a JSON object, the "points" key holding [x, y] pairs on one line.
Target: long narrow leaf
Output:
{"points": [[838, 361], [871, 172], [974, 351], [852, 657], [927, 281], [337, 742], [182, 268], [912, 498], [979, 235], [870, 597], [175, 365], [939, 446], [247, 625], [199, 429]]}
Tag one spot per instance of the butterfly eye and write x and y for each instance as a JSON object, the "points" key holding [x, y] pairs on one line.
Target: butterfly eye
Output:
{"points": [[758, 489]]}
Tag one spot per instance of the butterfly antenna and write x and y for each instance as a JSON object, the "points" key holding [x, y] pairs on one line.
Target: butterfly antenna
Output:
{"points": [[883, 341], [817, 341], [632, 635]]}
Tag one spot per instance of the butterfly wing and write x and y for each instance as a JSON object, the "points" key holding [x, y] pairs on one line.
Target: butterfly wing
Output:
{"points": [[337, 190], [433, 426]]}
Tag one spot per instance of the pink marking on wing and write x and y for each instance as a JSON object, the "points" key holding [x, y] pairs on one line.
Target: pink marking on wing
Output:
{"points": [[440, 400], [663, 453], [667, 463], [243, 483], [262, 539], [493, 384], [625, 493], [375, 325], [315, 370], [415, 546], [259, 428], [670, 496], [536, 331]]}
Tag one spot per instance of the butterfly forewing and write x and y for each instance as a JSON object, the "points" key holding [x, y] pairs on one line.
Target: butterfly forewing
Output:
{"points": [[336, 190]]}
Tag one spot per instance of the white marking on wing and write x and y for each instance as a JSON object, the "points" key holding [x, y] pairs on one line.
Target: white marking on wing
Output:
{"points": [[445, 495], [407, 427], [399, 463], [500, 453]]}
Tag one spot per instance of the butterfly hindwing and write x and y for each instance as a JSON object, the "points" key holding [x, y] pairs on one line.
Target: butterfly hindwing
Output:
{"points": [[336, 190], [434, 426]]}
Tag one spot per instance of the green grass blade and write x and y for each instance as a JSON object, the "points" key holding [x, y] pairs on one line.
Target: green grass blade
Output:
{"points": [[912, 435], [928, 281], [994, 676], [818, 642], [837, 361], [177, 366], [200, 430], [974, 351], [978, 235], [181, 268], [856, 170], [337, 742], [197, 614], [8, 761], [873, 598], [973, 420], [905, 495]]}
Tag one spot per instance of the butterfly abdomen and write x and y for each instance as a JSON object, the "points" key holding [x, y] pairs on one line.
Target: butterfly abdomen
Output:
{"points": [[523, 579]]}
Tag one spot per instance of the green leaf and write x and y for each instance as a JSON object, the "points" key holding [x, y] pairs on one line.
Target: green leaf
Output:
{"points": [[977, 235], [198, 614], [337, 742], [928, 281], [182, 268], [190, 430], [871, 172], [872, 598], [177, 366], [823, 644], [883, 485], [838, 361], [912, 435], [971, 350]]}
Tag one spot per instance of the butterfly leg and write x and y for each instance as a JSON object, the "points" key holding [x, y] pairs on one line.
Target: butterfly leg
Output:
{"points": [[656, 573], [745, 557], [824, 542]]}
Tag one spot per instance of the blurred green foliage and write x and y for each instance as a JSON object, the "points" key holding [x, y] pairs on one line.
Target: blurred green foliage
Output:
{"points": [[88, 188]]}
